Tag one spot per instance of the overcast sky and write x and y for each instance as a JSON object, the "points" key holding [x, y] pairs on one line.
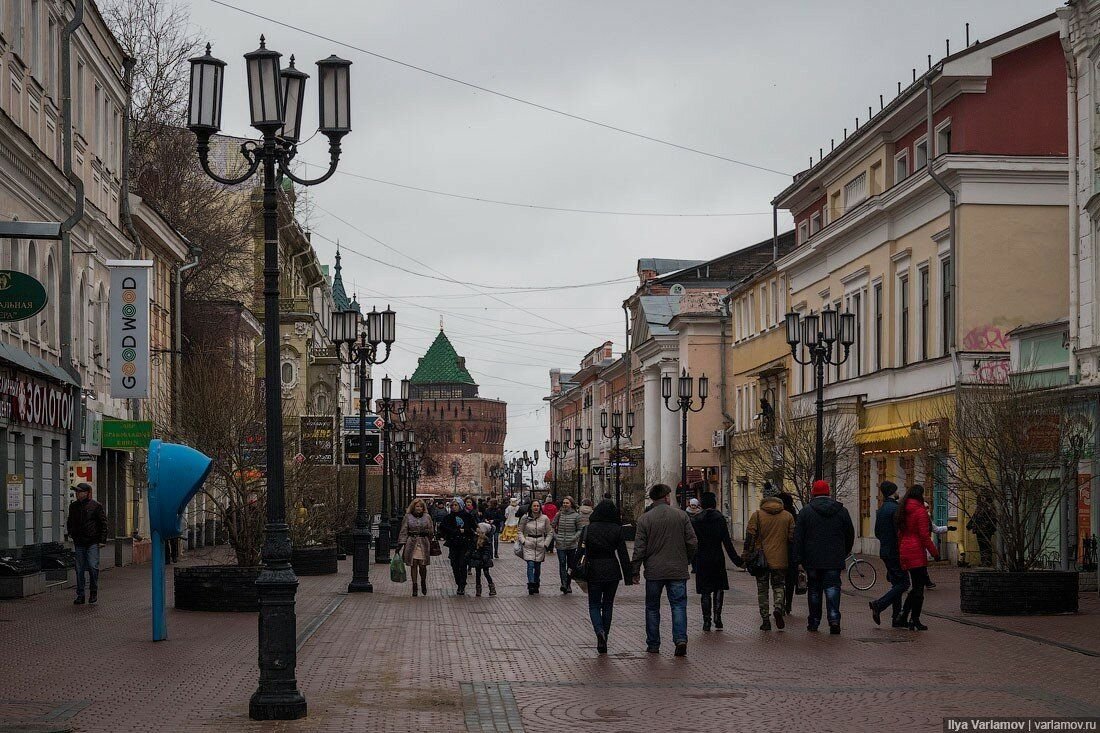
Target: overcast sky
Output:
{"points": [[760, 82]]}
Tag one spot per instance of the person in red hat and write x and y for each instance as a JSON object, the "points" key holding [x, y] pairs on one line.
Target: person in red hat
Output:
{"points": [[823, 539]]}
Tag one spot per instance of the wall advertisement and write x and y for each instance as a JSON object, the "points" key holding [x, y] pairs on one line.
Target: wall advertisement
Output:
{"points": [[128, 328]]}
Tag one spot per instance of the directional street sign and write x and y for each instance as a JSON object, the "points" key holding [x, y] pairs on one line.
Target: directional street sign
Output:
{"points": [[379, 459], [379, 423]]}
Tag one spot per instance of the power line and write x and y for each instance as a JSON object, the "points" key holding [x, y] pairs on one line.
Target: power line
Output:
{"points": [[503, 95], [541, 207]]}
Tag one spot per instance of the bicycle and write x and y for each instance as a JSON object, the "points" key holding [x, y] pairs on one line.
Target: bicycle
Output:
{"points": [[861, 574]]}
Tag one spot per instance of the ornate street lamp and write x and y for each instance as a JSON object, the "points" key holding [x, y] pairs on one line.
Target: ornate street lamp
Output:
{"points": [[271, 110], [817, 335], [580, 445], [555, 452], [685, 403], [527, 461], [358, 344], [388, 408], [618, 432]]}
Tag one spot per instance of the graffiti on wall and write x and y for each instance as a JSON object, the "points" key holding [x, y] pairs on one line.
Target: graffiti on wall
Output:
{"points": [[992, 371], [985, 338]]}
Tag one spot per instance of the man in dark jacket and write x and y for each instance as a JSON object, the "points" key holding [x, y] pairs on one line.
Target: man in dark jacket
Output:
{"points": [[887, 533], [823, 539], [87, 527]]}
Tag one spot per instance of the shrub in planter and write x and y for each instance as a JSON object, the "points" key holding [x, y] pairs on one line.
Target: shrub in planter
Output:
{"points": [[996, 593], [314, 560], [216, 588]]}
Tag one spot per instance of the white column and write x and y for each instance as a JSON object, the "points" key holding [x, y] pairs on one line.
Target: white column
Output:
{"points": [[652, 425], [670, 432]]}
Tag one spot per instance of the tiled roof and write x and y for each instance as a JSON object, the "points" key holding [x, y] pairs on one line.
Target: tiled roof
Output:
{"points": [[664, 266], [441, 365], [658, 311]]}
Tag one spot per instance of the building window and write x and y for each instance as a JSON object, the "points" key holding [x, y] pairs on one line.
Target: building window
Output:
{"points": [[855, 306], [17, 26], [97, 130], [903, 314], [79, 113], [921, 153], [765, 315], [803, 232], [815, 223], [947, 315], [878, 326], [51, 62], [943, 138], [901, 166], [924, 326], [288, 373], [36, 28], [775, 300], [855, 191], [751, 313]]}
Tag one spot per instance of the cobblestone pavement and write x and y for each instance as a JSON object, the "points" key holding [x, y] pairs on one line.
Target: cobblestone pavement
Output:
{"points": [[390, 662]]}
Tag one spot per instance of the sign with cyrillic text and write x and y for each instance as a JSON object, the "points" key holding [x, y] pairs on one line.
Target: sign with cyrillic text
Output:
{"points": [[128, 327]]}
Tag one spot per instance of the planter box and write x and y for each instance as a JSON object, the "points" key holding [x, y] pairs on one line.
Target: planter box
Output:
{"points": [[996, 593], [21, 586], [314, 560], [216, 588]]}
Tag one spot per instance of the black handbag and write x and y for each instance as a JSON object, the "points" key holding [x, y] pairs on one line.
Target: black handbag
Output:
{"points": [[579, 573], [757, 564]]}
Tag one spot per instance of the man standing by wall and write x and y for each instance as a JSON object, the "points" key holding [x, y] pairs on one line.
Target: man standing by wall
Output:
{"points": [[87, 527]]}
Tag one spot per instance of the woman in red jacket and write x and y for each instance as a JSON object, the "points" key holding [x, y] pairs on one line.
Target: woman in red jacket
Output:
{"points": [[914, 541]]}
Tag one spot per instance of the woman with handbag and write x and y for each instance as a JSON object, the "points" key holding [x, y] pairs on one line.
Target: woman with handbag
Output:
{"points": [[767, 543], [535, 536], [604, 562], [414, 541], [711, 581]]}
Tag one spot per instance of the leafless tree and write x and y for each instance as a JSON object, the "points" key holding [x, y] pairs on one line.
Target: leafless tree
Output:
{"points": [[783, 452], [1015, 450]]}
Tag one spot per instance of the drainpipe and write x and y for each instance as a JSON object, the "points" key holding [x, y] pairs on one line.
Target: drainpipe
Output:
{"points": [[952, 200], [1072, 134], [626, 355], [723, 321], [66, 294], [775, 232]]}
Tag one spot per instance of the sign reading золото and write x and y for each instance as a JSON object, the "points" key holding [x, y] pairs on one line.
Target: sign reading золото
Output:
{"points": [[128, 327]]}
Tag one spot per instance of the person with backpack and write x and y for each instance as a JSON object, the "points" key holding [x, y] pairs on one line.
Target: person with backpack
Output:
{"points": [[770, 532], [823, 539]]}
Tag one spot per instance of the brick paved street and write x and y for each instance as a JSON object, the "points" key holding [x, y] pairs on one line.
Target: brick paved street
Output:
{"points": [[389, 662]]}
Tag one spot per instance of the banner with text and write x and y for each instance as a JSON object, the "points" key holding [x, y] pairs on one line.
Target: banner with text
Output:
{"points": [[128, 328]]}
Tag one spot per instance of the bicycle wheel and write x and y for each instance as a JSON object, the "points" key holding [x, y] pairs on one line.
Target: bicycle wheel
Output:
{"points": [[862, 575]]}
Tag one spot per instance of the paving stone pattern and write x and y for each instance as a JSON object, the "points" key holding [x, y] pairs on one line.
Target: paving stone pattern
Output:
{"points": [[389, 662]]}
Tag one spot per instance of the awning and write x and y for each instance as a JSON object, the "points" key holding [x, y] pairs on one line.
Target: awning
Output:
{"points": [[883, 433], [29, 363]]}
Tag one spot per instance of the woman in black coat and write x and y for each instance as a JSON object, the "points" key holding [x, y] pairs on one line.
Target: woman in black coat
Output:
{"points": [[605, 554], [459, 528], [710, 567], [791, 583]]}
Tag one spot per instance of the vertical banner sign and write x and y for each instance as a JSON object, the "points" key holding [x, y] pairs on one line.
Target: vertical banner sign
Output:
{"points": [[83, 472], [128, 328]]}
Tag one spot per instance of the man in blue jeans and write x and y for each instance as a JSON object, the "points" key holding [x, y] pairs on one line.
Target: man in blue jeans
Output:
{"points": [[823, 539], [87, 527], [887, 533], [664, 543]]}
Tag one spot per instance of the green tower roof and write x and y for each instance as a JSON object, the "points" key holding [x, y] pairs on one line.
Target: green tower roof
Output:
{"points": [[441, 365]]}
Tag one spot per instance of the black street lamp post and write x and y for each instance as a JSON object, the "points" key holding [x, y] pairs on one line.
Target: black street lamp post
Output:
{"points": [[685, 403], [817, 335], [275, 98], [618, 432], [388, 408], [579, 445], [361, 338], [526, 461], [555, 452]]}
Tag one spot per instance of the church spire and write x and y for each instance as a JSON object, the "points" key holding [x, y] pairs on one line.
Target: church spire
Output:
{"points": [[339, 294]]}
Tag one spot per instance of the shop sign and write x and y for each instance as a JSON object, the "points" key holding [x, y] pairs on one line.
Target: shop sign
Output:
{"points": [[128, 328], [351, 423], [21, 296], [14, 485], [83, 472], [32, 402], [318, 444], [92, 442], [351, 449], [127, 433]]}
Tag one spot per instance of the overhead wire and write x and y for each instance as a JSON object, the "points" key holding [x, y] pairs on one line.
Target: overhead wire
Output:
{"points": [[503, 95]]}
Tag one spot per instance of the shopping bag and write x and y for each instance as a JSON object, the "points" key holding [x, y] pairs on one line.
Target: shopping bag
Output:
{"points": [[397, 569]]}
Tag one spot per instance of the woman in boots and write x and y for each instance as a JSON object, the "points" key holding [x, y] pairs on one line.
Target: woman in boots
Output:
{"points": [[458, 534], [914, 540], [535, 536], [415, 543], [710, 566], [605, 553], [481, 557]]}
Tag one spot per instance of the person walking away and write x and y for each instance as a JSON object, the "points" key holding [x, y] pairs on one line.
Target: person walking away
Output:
{"points": [[414, 542], [605, 553], [511, 521], [823, 539], [438, 512], [771, 529], [87, 528], [586, 510], [791, 581], [711, 581], [567, 533], [535, 535], [887, 533], [914, 541], [665, 543], [481, 557], [458, 534], [495, 516], [983, 523]]}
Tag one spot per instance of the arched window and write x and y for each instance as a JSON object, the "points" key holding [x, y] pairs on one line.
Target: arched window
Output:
{"points": [[32, 270], [80, 328], [51, 306]]}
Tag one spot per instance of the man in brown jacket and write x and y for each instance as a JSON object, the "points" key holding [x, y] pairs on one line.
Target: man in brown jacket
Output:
{"points": [[771, 529], [664, 543]]}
